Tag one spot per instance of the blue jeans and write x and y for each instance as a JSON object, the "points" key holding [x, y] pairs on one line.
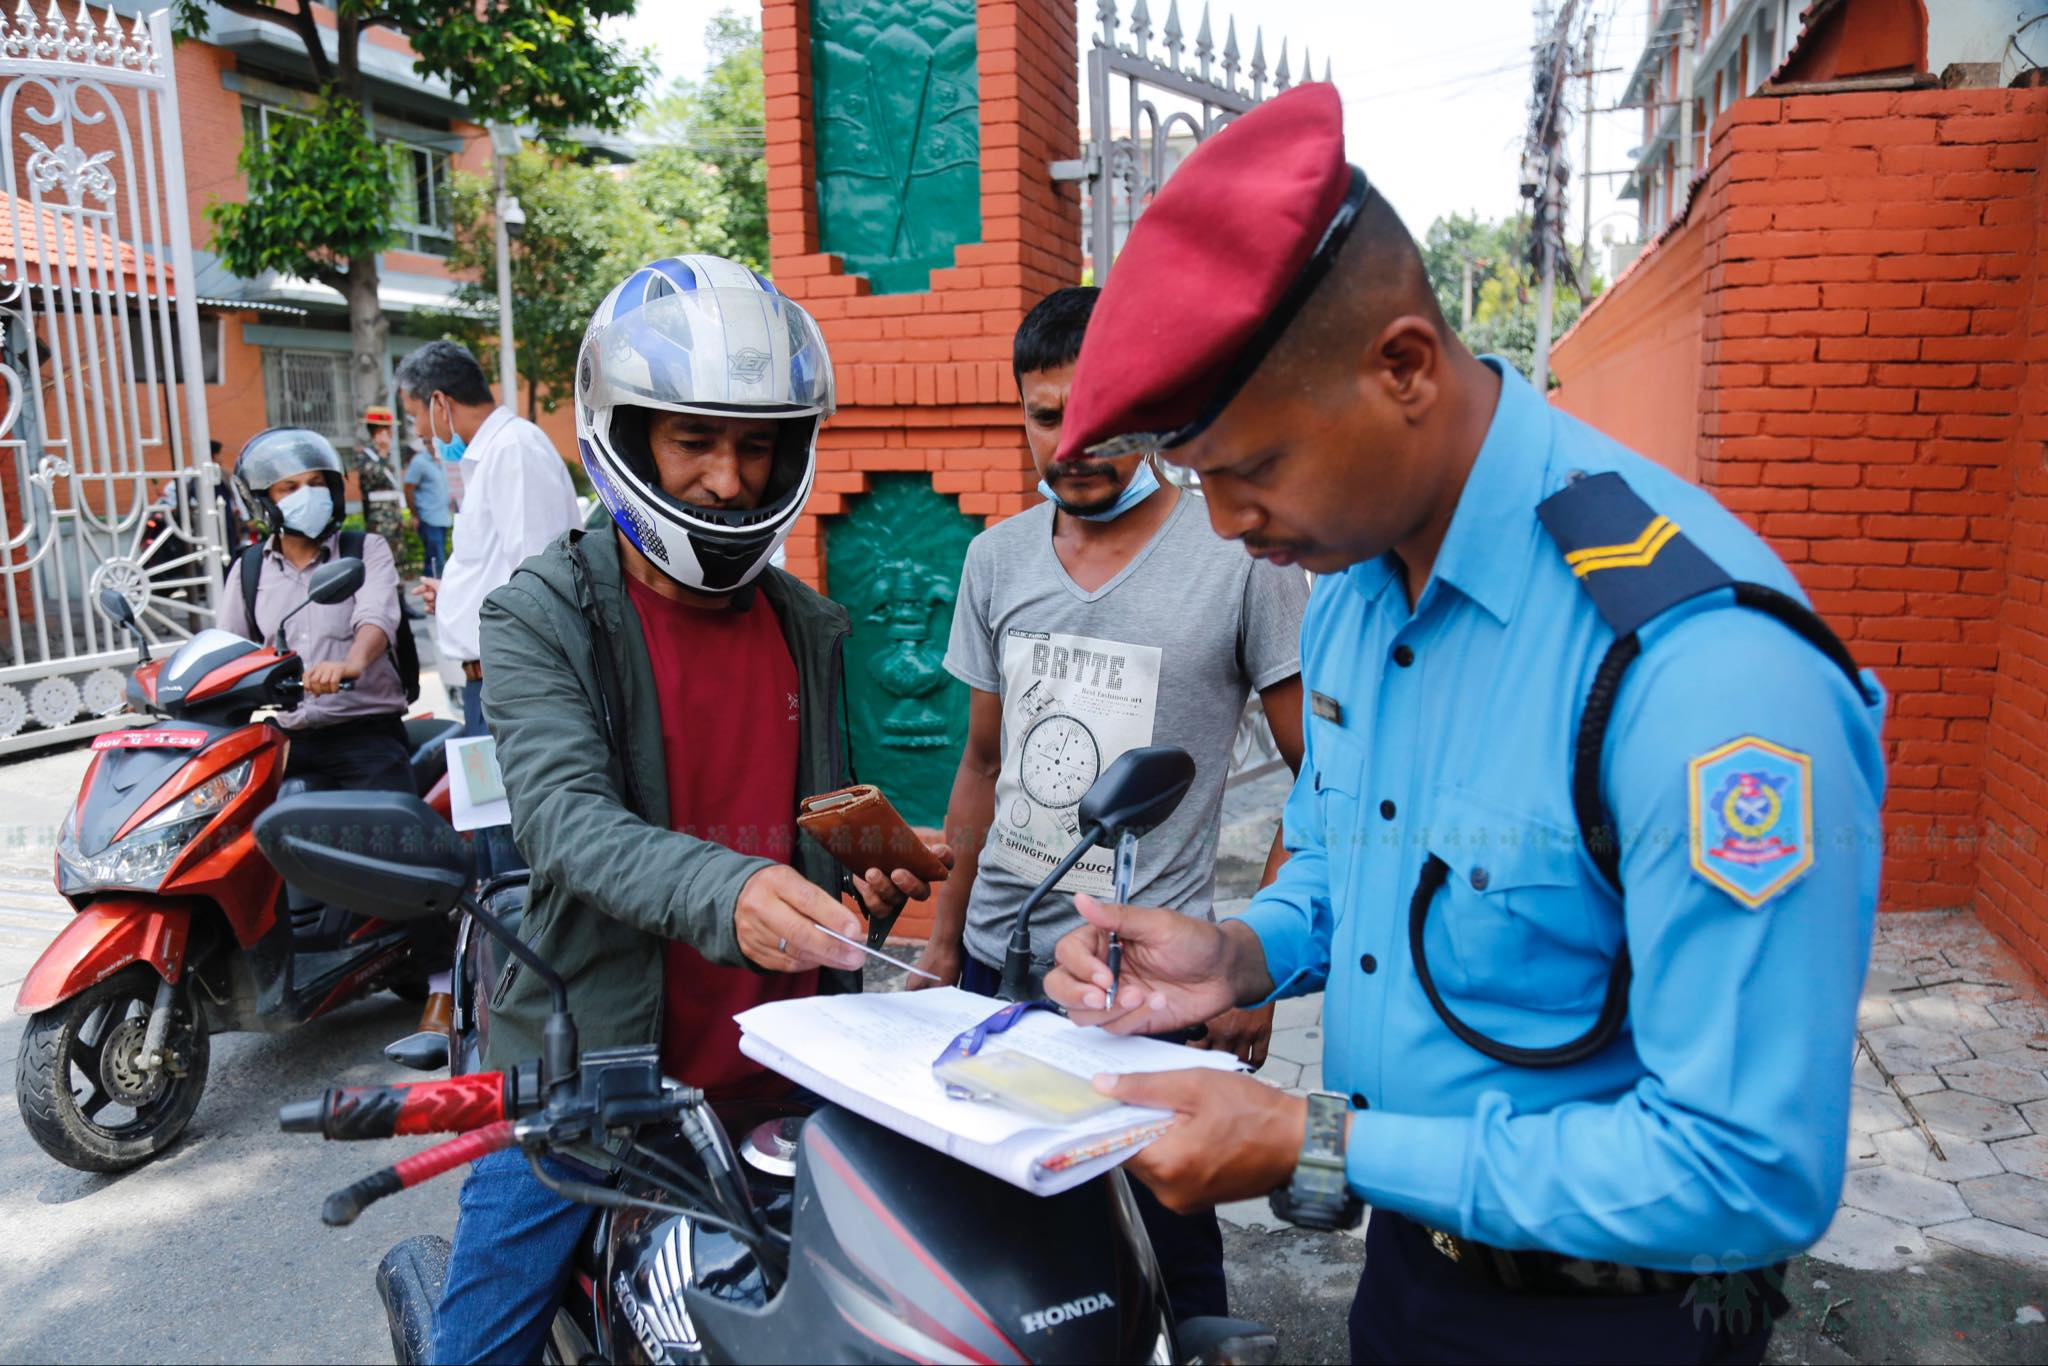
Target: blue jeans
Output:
{"points": [[433, 548], [1189, 1246], [495, 852], [515, 1243]]}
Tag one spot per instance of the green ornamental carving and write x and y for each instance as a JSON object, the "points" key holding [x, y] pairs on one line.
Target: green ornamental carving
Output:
{"points": [[899, 135], [894, 562]]}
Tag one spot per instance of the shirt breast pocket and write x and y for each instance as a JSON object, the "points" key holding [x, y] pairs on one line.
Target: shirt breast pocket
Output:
{"points": [[1517, 921], [1338, 774]]}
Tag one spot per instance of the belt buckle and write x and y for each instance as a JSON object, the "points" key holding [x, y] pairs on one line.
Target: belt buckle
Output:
{"points": [[1445, 1244]]}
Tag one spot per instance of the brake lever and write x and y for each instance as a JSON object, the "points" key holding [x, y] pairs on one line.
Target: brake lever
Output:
{"points": [[344, 1205]]}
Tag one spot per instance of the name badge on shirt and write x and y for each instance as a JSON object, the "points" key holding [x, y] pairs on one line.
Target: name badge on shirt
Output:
{"points": [[1327, 707]]}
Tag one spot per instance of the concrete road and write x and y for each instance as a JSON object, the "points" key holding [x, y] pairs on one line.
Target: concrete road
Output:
{"points": [[215, 1251]]}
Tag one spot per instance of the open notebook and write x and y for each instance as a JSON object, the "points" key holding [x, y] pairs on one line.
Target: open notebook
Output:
{"points": [[873, 1054]]}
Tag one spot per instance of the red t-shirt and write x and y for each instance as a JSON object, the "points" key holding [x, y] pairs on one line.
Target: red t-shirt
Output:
{"points": [[728, 693]]}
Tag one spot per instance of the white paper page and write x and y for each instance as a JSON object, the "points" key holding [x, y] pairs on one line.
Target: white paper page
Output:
{"points": [[1015, 1160], [874, 1053], [465, 811]]}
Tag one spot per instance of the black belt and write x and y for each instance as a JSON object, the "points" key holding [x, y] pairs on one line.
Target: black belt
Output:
{"points": [[1551, 1273]]}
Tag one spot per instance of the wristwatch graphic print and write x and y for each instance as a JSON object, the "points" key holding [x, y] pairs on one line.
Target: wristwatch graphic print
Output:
{"points": [[1072, 705]]}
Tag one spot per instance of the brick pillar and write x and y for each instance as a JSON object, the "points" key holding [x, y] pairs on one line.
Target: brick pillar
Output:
{"points": [[924, 378]]}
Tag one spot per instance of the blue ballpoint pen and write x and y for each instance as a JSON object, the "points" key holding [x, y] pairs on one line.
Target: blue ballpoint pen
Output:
{"points": [[1126, 869]]}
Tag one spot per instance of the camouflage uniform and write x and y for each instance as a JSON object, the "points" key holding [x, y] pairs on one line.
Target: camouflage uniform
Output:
{"points": [[383, 501]]}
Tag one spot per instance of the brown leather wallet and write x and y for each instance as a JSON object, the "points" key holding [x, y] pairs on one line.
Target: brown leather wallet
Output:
{"points": [[861, 828]]}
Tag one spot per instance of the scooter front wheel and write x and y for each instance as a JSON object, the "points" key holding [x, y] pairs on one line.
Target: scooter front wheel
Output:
{"points": [[87, 1094]]}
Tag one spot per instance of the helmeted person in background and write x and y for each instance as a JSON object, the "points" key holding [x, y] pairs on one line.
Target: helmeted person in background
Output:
{"points": [[377, 480], [516, 498], [661, 698], [1585, 848], [344, 739], [1114, 566]]}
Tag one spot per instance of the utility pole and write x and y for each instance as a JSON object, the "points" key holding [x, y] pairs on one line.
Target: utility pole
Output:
{"points": [[1543, 171], [1471, 263], [504, 144], [1688, 36], [1586, 166]]}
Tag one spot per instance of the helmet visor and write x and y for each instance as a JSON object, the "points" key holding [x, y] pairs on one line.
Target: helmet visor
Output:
{"points": [[718, 350], [283, 452]]}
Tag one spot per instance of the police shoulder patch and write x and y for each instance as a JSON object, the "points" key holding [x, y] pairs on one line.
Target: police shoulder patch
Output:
{"points": [[1752, 818]]}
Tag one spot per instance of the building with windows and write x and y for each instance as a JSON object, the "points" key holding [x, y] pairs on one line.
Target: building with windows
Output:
{"points": [[1708, 54], [277, 347]]}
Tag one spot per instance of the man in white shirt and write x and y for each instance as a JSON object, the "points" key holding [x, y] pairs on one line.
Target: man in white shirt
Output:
{"points": [[516, 498]]}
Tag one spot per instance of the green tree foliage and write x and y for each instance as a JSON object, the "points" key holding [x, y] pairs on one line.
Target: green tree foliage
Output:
{"points": [[698, 187], [320, 188], [1504, 286], [319, 202], [703, 168], [586, 229]]}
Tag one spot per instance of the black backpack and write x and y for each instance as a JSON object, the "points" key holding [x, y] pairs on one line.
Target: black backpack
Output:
{"points": [[405, 653]]}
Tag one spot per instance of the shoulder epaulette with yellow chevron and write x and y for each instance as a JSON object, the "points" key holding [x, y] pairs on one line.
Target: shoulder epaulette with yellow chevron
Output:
{"points": [[1634, 561]]}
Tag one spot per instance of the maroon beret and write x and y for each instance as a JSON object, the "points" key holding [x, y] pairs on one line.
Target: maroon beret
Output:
{"points": [[1214, 269]]}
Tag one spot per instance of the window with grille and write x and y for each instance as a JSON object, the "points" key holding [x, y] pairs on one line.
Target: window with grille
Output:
{"points": [[310, 389]]}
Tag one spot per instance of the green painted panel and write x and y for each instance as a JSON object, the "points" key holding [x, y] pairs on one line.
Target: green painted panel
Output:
{"points": [[898, 115], [894, 562]]}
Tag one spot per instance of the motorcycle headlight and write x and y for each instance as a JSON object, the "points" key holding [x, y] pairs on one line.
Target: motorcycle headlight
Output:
{"points": [[141, 858]]}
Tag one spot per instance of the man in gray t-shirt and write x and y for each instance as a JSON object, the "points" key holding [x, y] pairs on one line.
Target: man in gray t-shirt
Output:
{"points": [[1107, 618], [1165, 652]]}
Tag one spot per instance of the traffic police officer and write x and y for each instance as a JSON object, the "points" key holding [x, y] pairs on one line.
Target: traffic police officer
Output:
{"points": [[1585, 850]]}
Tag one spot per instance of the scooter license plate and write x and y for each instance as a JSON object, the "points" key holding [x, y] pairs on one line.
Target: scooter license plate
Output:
{"points": [[150, 739]]}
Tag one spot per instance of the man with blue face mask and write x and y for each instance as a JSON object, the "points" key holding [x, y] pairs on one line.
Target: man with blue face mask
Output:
{"points": [[1107, 618], [351, 739]]}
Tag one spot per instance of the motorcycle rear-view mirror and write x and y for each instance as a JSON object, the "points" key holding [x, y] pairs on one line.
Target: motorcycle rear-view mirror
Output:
{"points": [[335, 582], [385, 854], [1137, 793], [1133, 796], [117, 608]]}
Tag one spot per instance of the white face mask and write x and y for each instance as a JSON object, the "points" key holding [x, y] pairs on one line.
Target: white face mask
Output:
{"points": [[307, 510]]}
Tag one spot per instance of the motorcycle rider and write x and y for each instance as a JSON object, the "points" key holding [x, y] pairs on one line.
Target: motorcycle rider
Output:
{"points": [[661, 698], [345, 739]]}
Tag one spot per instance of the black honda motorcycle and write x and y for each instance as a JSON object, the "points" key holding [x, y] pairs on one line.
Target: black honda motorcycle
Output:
{"points": [[820, 1237]]}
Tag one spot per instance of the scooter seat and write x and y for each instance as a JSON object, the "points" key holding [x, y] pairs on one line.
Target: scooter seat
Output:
{"points": [[427, 737]]}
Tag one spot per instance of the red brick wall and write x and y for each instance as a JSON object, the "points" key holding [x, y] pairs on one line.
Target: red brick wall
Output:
{"points": [[924, 379], [2012, 872], [1871, 401], [1639, 377]]}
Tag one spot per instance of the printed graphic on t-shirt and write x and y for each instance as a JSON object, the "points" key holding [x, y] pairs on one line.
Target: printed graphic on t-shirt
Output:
{"points": [[1071, 706]]}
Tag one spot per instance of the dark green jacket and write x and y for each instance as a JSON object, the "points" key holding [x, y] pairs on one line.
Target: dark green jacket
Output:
{"points": [[611, 881]]}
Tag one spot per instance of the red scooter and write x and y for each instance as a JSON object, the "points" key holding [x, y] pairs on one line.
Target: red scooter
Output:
{"points": [[183, 928]]}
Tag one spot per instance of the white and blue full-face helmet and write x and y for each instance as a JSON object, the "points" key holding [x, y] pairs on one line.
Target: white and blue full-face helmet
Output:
{"points": [[700, 334]]}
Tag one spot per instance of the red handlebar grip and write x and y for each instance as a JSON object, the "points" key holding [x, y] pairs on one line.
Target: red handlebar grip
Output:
{"points": [[425, 1166], [453, 1106], [450, 1106], [343, 1206]]}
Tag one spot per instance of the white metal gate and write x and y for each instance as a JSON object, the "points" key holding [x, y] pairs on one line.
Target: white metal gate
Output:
{"points": [[105, 476], [1134, 144]]}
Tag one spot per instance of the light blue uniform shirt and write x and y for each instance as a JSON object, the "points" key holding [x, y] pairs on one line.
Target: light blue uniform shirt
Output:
{"points": [[431, 489], [1716, 1125]]}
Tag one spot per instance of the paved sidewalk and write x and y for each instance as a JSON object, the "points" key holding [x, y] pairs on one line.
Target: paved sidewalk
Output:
{"points": [[1950, 1136], [1933, 1256]]}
